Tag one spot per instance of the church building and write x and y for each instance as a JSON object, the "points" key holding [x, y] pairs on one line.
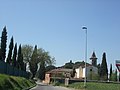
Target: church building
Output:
{"points": [[91, 69]]}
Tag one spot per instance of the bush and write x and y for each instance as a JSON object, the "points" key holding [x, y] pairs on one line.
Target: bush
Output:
{"points": [[57, 83]]}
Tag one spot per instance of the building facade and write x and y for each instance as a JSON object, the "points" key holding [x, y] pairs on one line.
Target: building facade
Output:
{"points": [[91, 69]]}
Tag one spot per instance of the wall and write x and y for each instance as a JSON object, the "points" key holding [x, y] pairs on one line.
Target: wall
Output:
{"points": [[81, 71], [5, 68]]}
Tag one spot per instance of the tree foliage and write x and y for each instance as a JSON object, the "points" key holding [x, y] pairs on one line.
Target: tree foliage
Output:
{"points": [[114, 76], [110, 72], [42, 70], [14, 58], [104, 69], [20, 63], [69, 65], [33, 64], [44, 55], [44, 60], [35, 57], [9, 58], [50, 67], [27, 51], [3, 43], [0, 54]]}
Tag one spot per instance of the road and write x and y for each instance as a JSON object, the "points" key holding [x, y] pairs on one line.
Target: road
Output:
{"points": [[48, 87]]}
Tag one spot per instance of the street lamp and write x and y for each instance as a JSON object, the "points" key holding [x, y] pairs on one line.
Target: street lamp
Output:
{"points": [[85, 28]]}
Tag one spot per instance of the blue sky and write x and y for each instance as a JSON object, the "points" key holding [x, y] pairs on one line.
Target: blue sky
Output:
{"points": [[56, 26]]}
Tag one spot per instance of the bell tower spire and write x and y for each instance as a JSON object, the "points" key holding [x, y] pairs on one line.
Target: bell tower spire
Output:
{"points": [[93, 59]]}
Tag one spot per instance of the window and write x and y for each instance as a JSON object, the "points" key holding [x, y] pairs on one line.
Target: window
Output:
{"points": [[91, 70]]}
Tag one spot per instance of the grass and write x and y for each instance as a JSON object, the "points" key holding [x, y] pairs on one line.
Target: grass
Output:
{"points": [[14, 83], [95, 86]]}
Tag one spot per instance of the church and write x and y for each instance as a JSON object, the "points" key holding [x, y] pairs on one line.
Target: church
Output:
{"points": [[91, 69]]}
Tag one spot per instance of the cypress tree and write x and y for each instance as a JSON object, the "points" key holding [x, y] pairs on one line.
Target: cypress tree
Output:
{"points": [[116, 75], [21, 62], [104, 69], [0, 54], [24, 68], [3, 43], [9, 59], [110, 71], [42, 70], [14, 61], [20, 59], [33, 62]]}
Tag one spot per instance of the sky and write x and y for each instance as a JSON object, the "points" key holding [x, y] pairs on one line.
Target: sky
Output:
{"points": [[56, 26]]}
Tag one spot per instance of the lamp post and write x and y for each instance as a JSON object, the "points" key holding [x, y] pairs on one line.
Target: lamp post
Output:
{"points": [[85, 28]]}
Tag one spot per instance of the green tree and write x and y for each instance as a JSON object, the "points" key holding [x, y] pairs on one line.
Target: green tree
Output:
{"points": [[39, 54], [22, 64], [42, 70], [44, 60], [14, 61], [24, 67], [114, 75], [0, 54], [9, 58], [110, 72], [44, 55], [33, 64], [104, 69], [27, 51], [20, 59], [3, 43], [50, 67], [69, 65]]}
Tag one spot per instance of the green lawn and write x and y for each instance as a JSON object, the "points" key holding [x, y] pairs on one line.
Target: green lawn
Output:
{"points": [[95, 86], [14, 83]]}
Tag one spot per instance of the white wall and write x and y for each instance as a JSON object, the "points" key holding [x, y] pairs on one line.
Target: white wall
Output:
{"points": [[78, 71], [83, 72]]}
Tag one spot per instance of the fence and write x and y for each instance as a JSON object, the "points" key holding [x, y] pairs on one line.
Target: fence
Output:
{"points": [[5, 68]]}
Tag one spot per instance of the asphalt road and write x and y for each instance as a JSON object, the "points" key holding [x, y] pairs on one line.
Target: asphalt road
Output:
{"points": [[48, 87]]}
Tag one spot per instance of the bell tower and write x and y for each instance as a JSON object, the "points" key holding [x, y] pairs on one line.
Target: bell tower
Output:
{"points": [[93, 59]]}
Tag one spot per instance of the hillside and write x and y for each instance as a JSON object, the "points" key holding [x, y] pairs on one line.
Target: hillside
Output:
{"points": [[14, 83]]}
